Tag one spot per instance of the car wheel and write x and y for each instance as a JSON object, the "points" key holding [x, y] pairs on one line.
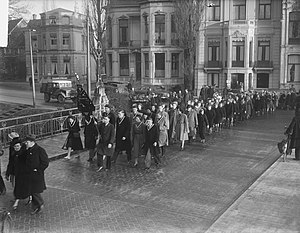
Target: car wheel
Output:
{"points": [[61, 99], [46, 97]]}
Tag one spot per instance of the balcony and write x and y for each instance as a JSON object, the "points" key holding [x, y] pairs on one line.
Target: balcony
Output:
{"points": [[123, 44], [263, 65], [238, 64], [146, 42], [135, 43], [213, 66], [159, 41]]}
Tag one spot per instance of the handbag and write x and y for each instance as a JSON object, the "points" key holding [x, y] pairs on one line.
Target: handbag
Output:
{"points": [[64, 147]]}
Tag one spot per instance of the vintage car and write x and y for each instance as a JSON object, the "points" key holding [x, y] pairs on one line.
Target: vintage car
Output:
{"points": [[60, 89]]}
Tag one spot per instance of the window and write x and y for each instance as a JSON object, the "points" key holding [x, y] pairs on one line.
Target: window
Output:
{"points": [[262, 80], [67, 68], [294, 68], [239, 7], [124, 64], [213, 50], [263, 51], [66, 39], [213, 79], [52, 19], [34, 41], [264, 9], [66, 20], [53, 39], [160, 29], [53, 65], [160, 65], [294, 28], [146, 56], [123, 32], [174, 36], [82, 42], [175, 64], [109, 32], [35, 66], [238, 53], [146, 26], [214, 10], [109, 72]]}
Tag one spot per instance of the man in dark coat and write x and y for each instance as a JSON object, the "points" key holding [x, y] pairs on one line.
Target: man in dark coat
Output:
{"points": [[106, 140], [2, 185], [151, 143], [294, 132], [122, 136], [37, 161]]}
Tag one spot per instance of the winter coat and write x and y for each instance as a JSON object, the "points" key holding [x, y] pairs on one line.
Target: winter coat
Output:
{"points": [[123, 130], [294, 131], [36, 161], [90, 132]]}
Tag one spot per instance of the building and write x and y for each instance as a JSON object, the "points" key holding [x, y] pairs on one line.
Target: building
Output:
{"points": [[59, 45], [239, 45], [12, 57], [141, 43], [290, 45]]}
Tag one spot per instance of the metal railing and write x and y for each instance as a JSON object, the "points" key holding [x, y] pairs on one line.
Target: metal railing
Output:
{"points": [[42, 125]]}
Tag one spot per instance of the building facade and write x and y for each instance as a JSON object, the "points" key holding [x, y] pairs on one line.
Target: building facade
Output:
{"points": [[59, 45], [12, 57], [141, 43], [239, 45]]}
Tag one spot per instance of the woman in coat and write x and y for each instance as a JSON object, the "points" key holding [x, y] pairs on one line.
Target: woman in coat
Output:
{"points": [[182, 128], [162, 122], [90, 134], [294, 133], [122, 136], [73, 141], [138, 130], [19, 173], [203, 124], [193, 122]]}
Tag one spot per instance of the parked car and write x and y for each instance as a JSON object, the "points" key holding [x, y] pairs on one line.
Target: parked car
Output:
{"points": [[60, 89]]}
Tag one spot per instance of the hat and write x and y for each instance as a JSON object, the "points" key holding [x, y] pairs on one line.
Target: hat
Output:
{"points": [[107, 106], [13, 135], [30, 137], [175, 102], [134, 106], [17, 141]]}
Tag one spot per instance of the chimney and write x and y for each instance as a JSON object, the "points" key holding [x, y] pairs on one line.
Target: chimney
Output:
{"points": [[34, 16]]}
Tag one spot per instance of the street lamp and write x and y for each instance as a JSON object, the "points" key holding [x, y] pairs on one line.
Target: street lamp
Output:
{"points": [[32, 68]]}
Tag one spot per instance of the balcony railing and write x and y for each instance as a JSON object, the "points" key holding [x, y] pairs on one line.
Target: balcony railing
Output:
{"points": [[160, 41], [123, 44], [213, 64], [263, 64], [238, 64]]}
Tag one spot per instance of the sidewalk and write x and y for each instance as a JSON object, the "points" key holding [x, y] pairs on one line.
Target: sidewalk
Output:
{"points": [[271, 204]]}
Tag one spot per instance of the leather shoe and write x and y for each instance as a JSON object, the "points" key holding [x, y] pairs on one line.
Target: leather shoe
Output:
{"points": [[37, 210]]}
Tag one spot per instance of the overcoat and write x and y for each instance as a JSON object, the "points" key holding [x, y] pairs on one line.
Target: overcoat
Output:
{"points": [[173, 115], [22, 175], [73, 139], [193, 122], [107, 136], [123, 130], [36, 161], [162, 122], [90, 132], [294, 131], [138, 134], [182, 127]]}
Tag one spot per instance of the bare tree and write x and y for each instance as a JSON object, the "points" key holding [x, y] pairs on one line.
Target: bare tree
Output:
{"points": [[97, 11], [188, 16], [16, 9]]}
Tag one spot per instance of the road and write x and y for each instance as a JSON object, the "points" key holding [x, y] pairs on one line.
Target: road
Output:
{"points": [[21, 93], [187, 194]]}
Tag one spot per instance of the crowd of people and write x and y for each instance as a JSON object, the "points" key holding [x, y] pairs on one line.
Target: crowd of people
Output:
{"points": [[25, 170], [149, 128]]}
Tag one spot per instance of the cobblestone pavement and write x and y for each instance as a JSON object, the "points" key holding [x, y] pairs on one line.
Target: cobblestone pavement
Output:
{"points": [[188, 193]]}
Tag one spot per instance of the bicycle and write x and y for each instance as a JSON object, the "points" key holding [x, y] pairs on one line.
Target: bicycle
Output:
{"points": [[5, 221]]}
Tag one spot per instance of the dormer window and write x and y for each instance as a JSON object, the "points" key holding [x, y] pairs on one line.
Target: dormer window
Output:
{"points": [[52, 20]]}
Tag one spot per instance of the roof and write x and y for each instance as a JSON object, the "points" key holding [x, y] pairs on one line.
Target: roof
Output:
{"points": [[57, 10], [34, 23], [12, 24]]}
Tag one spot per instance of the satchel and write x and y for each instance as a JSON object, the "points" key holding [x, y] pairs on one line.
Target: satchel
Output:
{"points": [[64, 147], [282, 146]]}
